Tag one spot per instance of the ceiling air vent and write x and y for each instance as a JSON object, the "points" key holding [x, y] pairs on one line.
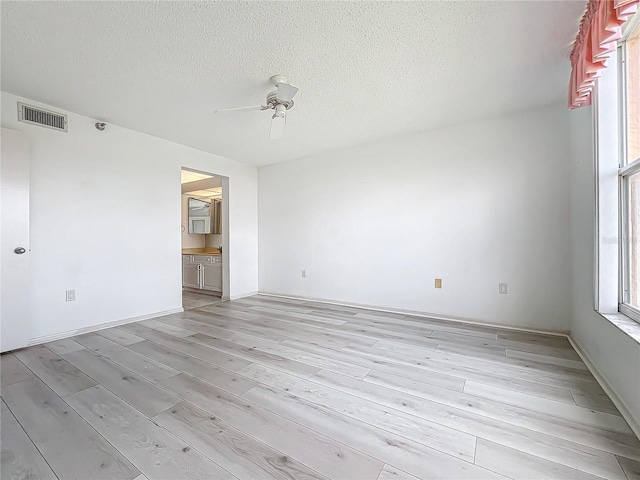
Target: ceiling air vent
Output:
{"points": [[44, 118]]}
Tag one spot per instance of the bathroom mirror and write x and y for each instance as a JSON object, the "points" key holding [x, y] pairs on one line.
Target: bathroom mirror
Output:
{"points": [[199, 216], [205, 215]]}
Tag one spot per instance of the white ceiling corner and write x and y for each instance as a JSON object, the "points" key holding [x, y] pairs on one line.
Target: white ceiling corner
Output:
{"points": [[366, 70]]}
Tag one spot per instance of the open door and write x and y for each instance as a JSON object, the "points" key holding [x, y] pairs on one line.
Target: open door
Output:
{"points": [[14, 241]]}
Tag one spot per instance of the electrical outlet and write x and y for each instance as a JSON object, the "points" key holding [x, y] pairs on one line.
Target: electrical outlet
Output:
{"points": [[71, 295], [438, 283], [502, 288], [304, 274]]}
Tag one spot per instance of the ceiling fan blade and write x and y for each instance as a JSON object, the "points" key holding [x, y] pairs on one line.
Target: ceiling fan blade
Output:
{"points": [[239, 109], [277, 127], [286, 92]]}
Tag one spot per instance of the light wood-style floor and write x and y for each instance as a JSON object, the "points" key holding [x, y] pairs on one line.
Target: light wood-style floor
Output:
{"points": [[264, 387], [191, 300]]}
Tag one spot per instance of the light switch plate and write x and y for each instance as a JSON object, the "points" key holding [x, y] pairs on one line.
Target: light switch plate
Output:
{"points": [[438, 283]]}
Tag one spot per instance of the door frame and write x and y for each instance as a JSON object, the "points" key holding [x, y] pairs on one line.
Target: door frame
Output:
{"points": [[226, 271]]}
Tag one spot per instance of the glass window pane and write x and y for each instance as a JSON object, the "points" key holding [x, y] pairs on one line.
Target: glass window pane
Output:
{"points": [[633, 96], [633, 240]]}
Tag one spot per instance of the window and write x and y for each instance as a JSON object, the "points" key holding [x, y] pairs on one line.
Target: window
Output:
{"points": [[629, 172]]}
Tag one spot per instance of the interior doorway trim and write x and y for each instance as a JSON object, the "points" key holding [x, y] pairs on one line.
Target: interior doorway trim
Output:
{"points": [[226, 244]]}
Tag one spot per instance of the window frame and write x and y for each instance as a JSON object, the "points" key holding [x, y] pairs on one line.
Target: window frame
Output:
{"points": [[625, 171]]}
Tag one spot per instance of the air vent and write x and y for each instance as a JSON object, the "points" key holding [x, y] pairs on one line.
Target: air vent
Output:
{"points": [[44, 118]]}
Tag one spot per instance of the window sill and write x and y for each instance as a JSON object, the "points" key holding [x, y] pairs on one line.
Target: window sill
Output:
{"points": [[624, 323]]}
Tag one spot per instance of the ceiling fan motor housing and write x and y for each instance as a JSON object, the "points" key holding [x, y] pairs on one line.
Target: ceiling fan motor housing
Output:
{"points": [[274, 102]]}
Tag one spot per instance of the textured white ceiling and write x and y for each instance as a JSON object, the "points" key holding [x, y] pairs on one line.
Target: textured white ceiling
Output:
{"points": [[366, 70]]}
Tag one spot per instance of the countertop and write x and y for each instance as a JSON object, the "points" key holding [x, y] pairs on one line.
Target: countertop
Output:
{"points": [[201, 251]]}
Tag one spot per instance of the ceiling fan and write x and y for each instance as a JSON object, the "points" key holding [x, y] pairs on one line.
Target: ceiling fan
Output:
{"points": [[280, 100]]}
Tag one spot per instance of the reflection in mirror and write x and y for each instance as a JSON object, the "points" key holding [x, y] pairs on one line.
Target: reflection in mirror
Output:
{"points": [[205, 216], [199, 216]]}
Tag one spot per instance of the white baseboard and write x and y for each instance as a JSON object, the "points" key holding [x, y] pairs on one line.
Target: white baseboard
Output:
{"points": [[626, 413], [450, 318], [242, 295], [101, 326]]}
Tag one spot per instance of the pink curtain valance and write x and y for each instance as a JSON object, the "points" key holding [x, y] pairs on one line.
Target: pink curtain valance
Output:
{"points": [[600, 29]]}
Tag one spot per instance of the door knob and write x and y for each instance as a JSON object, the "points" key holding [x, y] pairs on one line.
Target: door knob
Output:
{"points": [[19, 250]]}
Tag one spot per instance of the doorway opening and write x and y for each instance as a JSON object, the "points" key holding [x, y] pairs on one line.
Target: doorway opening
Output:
{"points": [[205, 238]]}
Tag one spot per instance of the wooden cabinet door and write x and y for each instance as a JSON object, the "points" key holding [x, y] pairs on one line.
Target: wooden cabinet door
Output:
{"points": [[190, 275], [212, 277]]}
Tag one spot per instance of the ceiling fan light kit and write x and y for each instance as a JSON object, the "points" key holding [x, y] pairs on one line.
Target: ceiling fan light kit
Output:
{"points": [[280, 100], [280, 111]]}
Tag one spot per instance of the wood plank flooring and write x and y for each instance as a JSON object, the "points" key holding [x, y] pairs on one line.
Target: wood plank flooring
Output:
{"points": [[191, 300], [273, 388]]}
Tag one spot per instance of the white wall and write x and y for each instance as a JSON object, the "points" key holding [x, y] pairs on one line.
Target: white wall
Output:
{"points": [[614, 354], [475, 205], [88, 233], [213, 240]]}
